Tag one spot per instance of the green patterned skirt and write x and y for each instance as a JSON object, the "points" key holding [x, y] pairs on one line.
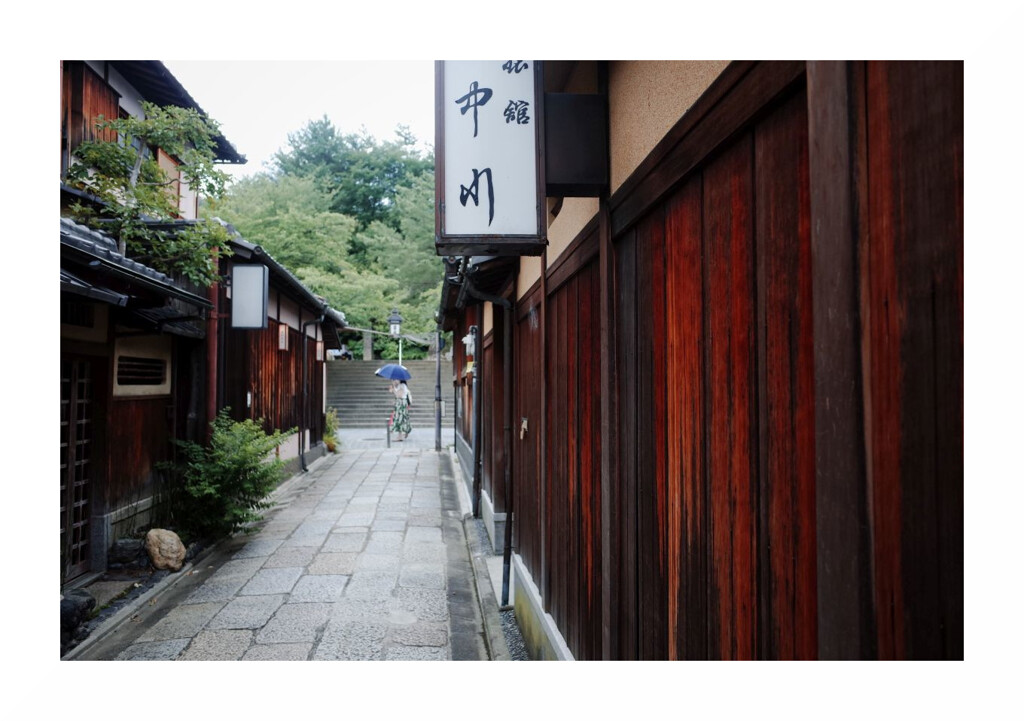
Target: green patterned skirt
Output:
{"points": [[400, 419]]}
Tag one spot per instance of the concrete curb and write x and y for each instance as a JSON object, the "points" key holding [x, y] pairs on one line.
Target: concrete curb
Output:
{"points": [[167, 583], [494, 636]]}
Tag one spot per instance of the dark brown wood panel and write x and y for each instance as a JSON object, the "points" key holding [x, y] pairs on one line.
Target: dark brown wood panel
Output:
{"points": [[527, 525], [589, 465], [139, 437], [490, 413], [652, 388], [785, 383], [573, 452], [836, 128], [496, 374], [913, 305], [623, 518], [688, 545], [731, 412]]}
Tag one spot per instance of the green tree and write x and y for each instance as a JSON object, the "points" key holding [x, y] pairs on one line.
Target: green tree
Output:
{"points": [[407, 254], [360, 175], [123, 174], [291, 220]]}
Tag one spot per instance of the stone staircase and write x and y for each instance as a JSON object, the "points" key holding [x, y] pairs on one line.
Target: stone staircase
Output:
{"points": [[361, 399]]}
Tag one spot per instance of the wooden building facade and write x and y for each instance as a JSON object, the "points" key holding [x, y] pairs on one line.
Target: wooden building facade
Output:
{"points": [[734, 381], [146, 358]]}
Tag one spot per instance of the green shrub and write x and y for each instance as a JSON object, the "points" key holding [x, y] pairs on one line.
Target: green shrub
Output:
{"points": [[223, 487]]}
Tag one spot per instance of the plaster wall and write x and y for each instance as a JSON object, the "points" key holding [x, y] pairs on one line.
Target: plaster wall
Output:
{"points": [[529, 273], [646, 98], [488, 324]]}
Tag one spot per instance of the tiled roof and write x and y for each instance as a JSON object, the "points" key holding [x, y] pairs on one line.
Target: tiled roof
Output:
{"points": [[99, 249]]}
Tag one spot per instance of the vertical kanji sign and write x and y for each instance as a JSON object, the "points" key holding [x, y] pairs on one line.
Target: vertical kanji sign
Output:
{"points": [[490, 169]]}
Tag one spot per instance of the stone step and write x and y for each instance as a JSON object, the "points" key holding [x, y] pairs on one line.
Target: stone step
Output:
{"points": [[361, 400]]}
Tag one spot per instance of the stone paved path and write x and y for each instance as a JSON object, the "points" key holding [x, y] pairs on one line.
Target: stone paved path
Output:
{"points": [[364, 558]]}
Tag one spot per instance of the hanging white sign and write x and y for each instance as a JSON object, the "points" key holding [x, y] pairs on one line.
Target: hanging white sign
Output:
{"points": [[488, 123]]}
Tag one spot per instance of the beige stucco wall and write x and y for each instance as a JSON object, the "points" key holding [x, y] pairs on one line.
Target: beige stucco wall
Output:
{"points": [[646, 99], [488, 319], [529, 273]]}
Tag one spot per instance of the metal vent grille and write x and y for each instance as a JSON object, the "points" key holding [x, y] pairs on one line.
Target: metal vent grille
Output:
{"points": [[136, 371]]}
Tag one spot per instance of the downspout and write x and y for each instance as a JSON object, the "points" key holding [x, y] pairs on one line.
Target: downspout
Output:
{"points": [[212, 333], [506, 563], [305, 389], [478, 357], [437, 396]]}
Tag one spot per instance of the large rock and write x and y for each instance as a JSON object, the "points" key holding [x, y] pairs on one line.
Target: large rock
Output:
{"points": [[165, 549]]}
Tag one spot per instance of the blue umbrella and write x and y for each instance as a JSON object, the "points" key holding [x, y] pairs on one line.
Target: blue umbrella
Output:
{"points": [[394, 372]]}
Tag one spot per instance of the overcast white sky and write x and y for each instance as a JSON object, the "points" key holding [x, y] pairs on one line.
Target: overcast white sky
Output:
{"points": [[258, 103]]}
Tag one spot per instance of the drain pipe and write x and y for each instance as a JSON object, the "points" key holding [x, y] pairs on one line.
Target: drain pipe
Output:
{"points": [[212, 333], [506, 551], [305, 387], [477, 366], [437, 396]]}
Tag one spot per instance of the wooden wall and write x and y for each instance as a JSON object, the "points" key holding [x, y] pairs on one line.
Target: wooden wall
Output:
{"points": [[786, 286], [84, 97], [528, 537], [138, 432], [493, 471], [572, 489], [716, 419], [888, 268], [254, 363]]}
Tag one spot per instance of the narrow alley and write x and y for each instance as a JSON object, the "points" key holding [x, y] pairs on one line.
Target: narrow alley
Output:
{"points": [[365, 557]]}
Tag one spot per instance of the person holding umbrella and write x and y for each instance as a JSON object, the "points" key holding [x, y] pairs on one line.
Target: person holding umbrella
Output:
{"points": [[400, 424]]}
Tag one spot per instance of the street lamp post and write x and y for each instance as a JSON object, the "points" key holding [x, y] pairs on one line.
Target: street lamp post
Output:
{"points": [[395, 321]]}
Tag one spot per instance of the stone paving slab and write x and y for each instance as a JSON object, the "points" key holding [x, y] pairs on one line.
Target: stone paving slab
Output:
{"points": [[352, 641], [278, 652], [346, 541], [423, 575], [259, 547], [343, 564], [218, 646], [295, 623], [318, 589], [183, 621], [155, 650], [293, 556], [421, 634], [416, 653], [272, 580], [247, 612]]}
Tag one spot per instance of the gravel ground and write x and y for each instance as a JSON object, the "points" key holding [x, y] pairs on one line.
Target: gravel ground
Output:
{"points": [[513, 637], [509, 625]]}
